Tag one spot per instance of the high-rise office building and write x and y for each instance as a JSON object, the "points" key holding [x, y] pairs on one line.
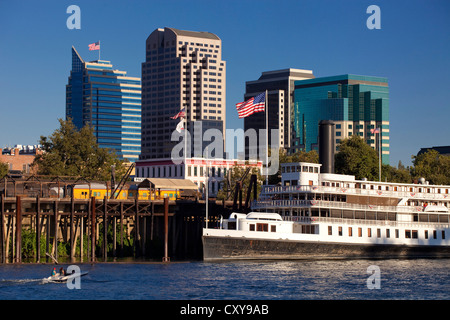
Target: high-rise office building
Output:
{"points": [[356, 104], [108, 100], [280, 90], [182, 70]]}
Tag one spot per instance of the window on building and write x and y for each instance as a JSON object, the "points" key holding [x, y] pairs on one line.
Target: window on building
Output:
{"points": [[330, 230]]}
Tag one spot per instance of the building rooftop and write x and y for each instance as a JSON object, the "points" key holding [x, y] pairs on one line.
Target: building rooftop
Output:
{"points": [[195, 34]]}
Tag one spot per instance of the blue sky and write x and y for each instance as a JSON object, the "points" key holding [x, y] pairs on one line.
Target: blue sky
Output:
{"points": [[329, 37]]}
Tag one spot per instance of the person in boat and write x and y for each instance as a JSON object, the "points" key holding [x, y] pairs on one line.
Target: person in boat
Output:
{"points": [[62, 272], [54, 272]]}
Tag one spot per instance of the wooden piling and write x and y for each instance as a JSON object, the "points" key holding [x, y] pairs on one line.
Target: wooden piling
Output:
{"points": [[18, 230], [72, 226], [166, 230], [136, 228], [93, 229], [105, 229], [121, 229], [55, 228], [38, 229], [2, 226]]}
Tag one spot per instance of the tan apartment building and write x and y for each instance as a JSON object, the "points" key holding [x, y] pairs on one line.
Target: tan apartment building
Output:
{"points": [[183, 70]]}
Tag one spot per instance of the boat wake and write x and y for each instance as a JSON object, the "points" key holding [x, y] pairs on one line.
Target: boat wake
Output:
{"points": [[12, 282]]}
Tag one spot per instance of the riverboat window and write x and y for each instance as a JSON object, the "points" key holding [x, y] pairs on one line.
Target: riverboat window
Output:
{"points": [[378, 233], [311, 169], [411, 234], [273, 228], [251, 227], [330, 230], [443, 234], [369, 232], [426, 234], [397, 233], [316, 170], [288, 169], [350, 232], [262, 227], [359, 232], [388, 233], [434, 234], [232, 225], [340, 231]]}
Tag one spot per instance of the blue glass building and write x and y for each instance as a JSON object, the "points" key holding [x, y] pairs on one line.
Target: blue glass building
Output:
{"points": [[108, 100], [355, 103]]}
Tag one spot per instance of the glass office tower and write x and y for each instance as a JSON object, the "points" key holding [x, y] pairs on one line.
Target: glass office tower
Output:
{"points": [[108, 100], [355, 103]]}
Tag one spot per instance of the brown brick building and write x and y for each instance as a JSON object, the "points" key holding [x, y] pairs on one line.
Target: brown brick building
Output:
{"points": [[19, 158]]}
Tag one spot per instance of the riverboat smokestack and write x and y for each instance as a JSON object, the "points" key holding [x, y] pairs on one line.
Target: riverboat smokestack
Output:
{"points": [[326, 146]]}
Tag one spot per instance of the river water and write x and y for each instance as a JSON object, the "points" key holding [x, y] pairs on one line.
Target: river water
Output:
{"points": [[422, 279]]}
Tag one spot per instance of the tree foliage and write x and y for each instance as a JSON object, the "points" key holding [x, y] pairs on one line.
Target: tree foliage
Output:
{"points": [[432, 166], [3, 169], [72, 152], [235, 174], [355, 157]]}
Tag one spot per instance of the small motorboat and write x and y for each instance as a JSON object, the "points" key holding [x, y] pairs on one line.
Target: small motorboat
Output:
{"points": [[63, 278]]}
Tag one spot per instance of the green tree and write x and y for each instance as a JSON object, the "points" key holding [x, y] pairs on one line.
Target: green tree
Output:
{"points": [[355, 157], [432, 166], [399, 174], [235, 174], [3, 169], [72, 152]]}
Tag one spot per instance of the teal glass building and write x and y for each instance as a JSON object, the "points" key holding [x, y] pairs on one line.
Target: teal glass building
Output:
{"points": [[110, 101], [355, 103]]}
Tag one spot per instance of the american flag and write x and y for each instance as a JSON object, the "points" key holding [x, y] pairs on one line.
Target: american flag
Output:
{"points": [[94, 46], [252, 105], [179, 114], [373, 131]]}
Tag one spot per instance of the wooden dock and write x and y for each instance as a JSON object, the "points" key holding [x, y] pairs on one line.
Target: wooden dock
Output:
{"points": [[97, 230]]}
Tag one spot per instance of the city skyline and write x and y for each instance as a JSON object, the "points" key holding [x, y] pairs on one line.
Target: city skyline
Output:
{"points": [[328, 37]]}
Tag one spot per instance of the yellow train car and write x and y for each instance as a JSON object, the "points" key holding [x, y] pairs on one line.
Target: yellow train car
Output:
{"points": [[99, 191]]}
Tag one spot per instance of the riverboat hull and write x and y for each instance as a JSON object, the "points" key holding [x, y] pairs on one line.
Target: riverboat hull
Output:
{"points": [[240, 248]]}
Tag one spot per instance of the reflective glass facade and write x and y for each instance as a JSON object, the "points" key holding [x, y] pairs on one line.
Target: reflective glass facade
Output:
{"points": [[355, 103], [108, 100]]}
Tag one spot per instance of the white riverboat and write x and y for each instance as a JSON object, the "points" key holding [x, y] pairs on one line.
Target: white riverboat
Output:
{"points": [[315, 215]]}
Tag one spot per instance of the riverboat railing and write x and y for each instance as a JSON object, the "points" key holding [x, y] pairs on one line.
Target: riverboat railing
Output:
{"points": [[272, 204], [268, 191], [381, 223]]}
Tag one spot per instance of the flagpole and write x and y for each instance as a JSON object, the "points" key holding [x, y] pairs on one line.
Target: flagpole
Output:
{"points": [[379, 150], [267, 136], [99, 48]]}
